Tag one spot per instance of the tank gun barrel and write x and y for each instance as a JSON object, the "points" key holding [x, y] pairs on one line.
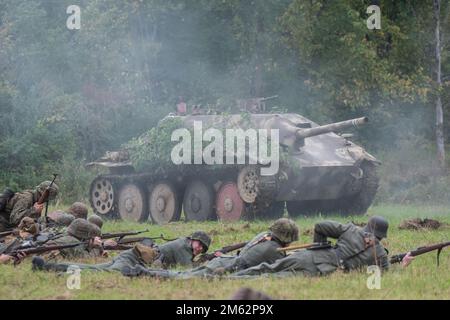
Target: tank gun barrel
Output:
{"points": [[305, 133]]}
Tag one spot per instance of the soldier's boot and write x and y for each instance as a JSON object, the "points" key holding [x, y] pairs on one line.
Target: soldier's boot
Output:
{"points": [[38, 263], [128, 271]]}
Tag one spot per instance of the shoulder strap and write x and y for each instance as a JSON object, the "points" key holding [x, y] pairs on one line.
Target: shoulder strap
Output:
{"points": [[368, 242], [263, 238]]}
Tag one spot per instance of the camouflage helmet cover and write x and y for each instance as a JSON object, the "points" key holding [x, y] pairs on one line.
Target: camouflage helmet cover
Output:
{"points": [[64, 219], [285, 230], [97, 220], [27, 224], [78, 210], [203, 238], [61, 218], [94, 231], [81, 229], [54, 189]]}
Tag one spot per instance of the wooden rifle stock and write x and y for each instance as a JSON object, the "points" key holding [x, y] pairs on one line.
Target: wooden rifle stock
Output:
{"points": [[39, 250], [122, 235], [422, 250], [314, 245], [209, 256]]}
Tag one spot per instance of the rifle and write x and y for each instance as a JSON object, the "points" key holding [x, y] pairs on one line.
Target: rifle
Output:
{"points": [[123, 244], [19, 244], [38, 250], [117, 247], [139, 239], [6, 233], [122, 235], [422, 250], [44, 197], [209, 256], [309, 246]]}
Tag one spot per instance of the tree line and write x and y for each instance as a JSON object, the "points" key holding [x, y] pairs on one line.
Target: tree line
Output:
{"points": [[67, 96]]}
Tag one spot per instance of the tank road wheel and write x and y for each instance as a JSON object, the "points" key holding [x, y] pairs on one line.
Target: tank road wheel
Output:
{"points": [[131, 203], [164, 205], [229, 205], [198, 202], [248, 180], [359, 203], [102, 197]]}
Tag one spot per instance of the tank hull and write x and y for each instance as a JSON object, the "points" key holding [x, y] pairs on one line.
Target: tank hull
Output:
{"points": [[317, 173]]}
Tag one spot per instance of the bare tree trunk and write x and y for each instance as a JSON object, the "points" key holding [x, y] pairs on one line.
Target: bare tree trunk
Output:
{"points": [[439, 112]]}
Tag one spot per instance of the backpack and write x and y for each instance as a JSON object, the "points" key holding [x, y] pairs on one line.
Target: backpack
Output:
{"points": [[5, 196]]}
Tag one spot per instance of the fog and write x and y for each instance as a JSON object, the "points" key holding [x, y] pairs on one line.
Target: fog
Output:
{"points": [[67, 96]]}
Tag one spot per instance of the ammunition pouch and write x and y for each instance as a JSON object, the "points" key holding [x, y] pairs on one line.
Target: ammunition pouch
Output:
{"points": [[147, 254]]}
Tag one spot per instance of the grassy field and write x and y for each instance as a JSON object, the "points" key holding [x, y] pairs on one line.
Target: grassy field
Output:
{"points": [[422, 280]]}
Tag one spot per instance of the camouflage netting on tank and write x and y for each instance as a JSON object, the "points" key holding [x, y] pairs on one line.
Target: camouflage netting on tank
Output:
{"points": [[151, 152]]}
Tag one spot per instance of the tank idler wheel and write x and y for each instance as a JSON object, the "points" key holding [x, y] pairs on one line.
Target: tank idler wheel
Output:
{"points": [[102, 197], [164, 204]]}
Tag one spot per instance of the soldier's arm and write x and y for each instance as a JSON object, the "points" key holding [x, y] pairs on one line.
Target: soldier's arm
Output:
{"points": [[332, 229], [95, 252], [22, 208], [264, 252], [4, 258], [383, 262], [183, 258]]}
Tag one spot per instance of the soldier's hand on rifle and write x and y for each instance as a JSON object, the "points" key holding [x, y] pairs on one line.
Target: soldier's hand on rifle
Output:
{"points": [[4, 258], [407, 260], [97, 242], [110, 243], [20, 256], [218, 253], [38, 207]]}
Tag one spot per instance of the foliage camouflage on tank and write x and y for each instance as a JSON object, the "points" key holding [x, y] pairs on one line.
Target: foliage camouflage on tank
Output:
{"points": [[319, 171]]}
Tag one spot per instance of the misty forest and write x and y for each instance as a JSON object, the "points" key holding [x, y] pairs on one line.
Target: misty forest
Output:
{"points": [[68, 96]]}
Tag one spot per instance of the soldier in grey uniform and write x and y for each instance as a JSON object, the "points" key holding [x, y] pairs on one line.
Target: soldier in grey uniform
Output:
{"points": [[143, 254], [25, 204], [183, 250], [262, 248], [177, 252], [355, 248]]}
